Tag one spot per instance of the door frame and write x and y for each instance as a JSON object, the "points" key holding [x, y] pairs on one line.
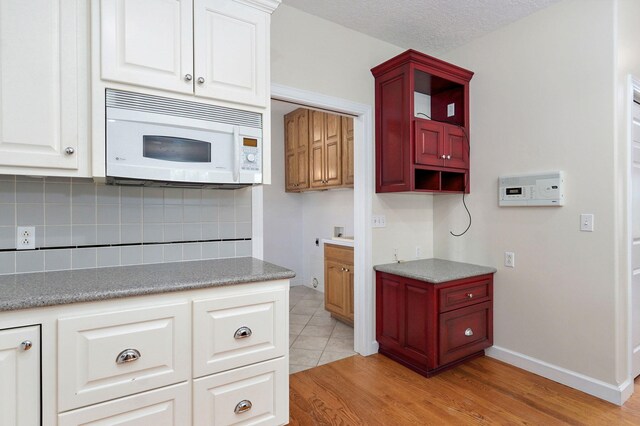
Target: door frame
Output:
{"points": [[633, 92], [364, 322]]}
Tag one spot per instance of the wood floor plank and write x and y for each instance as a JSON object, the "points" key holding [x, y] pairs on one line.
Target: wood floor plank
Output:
{"points": [[375, 390]]}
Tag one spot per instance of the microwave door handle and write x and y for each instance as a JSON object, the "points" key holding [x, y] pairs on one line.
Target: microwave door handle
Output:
{"points": [[236, 154]]}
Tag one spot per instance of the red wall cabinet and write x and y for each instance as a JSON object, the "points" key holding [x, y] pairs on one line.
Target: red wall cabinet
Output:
{"points": [[432, 327], [422, 125]]}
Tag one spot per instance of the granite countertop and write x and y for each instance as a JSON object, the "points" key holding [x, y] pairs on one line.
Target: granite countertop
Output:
{"points": [[435, 271], [21, 291]]}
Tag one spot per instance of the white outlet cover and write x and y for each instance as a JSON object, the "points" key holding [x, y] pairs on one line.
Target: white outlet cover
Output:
{"points": [[26, 238]]}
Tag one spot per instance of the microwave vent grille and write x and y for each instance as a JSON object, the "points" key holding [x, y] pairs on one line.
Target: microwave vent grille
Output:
{"points": [[181, 108]]}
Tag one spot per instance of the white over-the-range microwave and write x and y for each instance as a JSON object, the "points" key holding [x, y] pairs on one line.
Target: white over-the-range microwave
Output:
{"points": [[157, 141]]}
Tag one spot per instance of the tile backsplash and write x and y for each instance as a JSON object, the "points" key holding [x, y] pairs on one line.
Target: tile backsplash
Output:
{"points": [[81, 224]]}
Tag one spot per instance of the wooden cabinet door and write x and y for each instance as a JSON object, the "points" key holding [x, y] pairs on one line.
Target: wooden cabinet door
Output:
{"points": [[297, 150], [44, 87], [316, 149], [334, 292], [456, 148], [332, 150], [231, 51], [349, 296], [429, 143], [20, 373], [347, 151], [148, 43]]}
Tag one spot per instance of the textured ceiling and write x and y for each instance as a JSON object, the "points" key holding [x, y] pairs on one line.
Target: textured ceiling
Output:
{"points": [[432, 26]]}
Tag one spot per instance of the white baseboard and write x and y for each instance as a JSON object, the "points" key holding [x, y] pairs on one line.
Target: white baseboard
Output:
{"points": [[611, 393]]}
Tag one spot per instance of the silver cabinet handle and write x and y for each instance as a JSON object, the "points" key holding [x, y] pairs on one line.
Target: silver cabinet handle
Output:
{"points": [[26, 345], [188, 77], [443, 156], [69, 150], [468, 332], [448, 157], [200, 80], [242, 333], [243, 406], [128, 355], [470, 295]]}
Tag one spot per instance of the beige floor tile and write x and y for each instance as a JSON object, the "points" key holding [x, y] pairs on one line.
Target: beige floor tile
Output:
{"points": [[315, 295], [317, 330], [292, 338], [303, 310], [328, 356], [321, 321], [344, 333], [311, 343], [310, 303], [336, 344], [298, 356], [299, 319], [295, 328], [322, 313], [293, 368]]}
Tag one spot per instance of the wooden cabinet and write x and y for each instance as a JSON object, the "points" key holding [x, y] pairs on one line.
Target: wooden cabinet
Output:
{"points": [[214, 49], [20, 373], [338, 282], [296, 127], [318, 151], [44, 103], [422, 125], [432, 327]]}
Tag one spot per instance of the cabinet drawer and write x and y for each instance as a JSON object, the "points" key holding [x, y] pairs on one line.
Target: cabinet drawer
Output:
{"points": [[237, 330], [91, 349], [338, 253], [465, 331], [464, 295], [166, 406], [256, 395]]}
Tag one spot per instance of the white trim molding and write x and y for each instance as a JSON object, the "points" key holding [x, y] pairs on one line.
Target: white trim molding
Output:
{"points": [[607, 391], [364, 325]]}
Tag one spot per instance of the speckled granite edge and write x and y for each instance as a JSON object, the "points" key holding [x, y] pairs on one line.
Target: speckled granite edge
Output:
{"points": [[23, 291], [435, 271]]}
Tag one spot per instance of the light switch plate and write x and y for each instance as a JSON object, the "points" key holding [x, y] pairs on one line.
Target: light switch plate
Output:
{"points": [[379, 221], [451, 110], [586, 222]]}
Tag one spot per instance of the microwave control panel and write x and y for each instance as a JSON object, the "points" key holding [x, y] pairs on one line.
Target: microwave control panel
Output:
{"points": [[251, 158]]}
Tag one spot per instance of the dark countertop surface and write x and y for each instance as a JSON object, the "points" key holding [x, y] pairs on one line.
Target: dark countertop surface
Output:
{"points": [[435, 271], [22, 291]]}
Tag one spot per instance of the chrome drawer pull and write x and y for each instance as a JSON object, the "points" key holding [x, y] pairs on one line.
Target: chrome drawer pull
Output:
{"points": [[243, 406], [470, 295], [468, 332], [128, 355], [242, 333], [26, 345]]}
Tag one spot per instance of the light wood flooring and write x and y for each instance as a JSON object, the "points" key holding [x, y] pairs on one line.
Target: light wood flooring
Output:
{"points": [[375, 390]]}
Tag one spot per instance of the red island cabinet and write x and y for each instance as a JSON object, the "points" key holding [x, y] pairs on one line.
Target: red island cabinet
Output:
{"points": [[422, 125], [432, 327]]}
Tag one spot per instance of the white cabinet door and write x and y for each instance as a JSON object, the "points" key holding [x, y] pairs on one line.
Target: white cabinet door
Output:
{"points": [[231, 51], [20, 377], [254, 395], [43, 86], [148, 43], [168, 406]]}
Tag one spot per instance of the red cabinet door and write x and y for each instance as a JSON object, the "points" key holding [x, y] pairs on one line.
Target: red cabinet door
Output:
{"points": [[465, 331], [456, 147], [429, 140]]}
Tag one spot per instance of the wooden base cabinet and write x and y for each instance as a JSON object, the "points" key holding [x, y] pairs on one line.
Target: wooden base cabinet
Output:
{"points": [[431, 327], [338, 282]]}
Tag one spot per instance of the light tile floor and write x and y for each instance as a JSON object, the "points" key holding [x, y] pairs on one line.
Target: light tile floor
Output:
{"points": [[314, 337]]}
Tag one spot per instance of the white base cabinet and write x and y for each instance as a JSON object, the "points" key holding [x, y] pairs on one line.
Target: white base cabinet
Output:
{"points": [[129, 361], [20, 376]]}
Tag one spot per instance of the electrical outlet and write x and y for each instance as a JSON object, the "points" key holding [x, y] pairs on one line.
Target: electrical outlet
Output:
{"points": [[451, 110], [26, 238], [379, 221], [509, 259]]}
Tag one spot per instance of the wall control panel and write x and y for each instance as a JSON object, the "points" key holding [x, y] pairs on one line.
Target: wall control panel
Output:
{"points": [[543, 189]]}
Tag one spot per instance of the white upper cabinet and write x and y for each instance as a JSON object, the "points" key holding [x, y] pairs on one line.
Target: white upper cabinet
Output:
{"points": [[217, 49], [231, 51], [44, 87], [148, 43]]}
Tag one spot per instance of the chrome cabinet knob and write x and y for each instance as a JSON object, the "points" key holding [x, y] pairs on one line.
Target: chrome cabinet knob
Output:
{"points": [[200, 80], [468, 332], [128, 355], [242, 333], [470, 295], [243, 406], [443, 156], [448, 157], [188, 77], [26, 345], [69, 150]]}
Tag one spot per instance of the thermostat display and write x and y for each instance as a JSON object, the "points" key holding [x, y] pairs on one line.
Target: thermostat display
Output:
{"points": [[545, 189]]}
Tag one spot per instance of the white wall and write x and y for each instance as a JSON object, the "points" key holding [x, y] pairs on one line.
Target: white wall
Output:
{"points": [[542, 99], [282, 212], [314, 54]]}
